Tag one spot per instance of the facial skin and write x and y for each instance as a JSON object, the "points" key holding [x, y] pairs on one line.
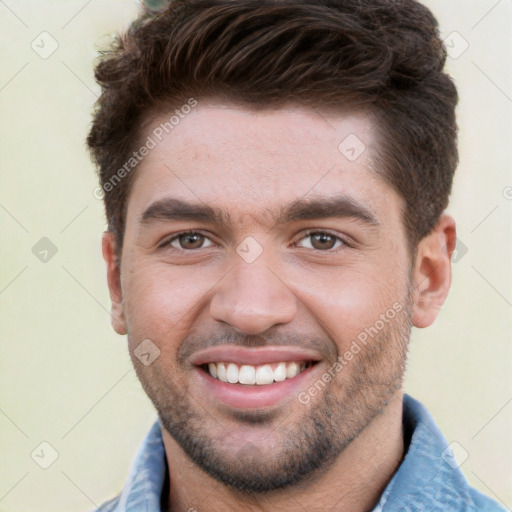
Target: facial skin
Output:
{"points": [[309, 296]]}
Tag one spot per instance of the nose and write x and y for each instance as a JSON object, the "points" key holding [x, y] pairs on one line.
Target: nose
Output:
{"points": [[252, 298]]}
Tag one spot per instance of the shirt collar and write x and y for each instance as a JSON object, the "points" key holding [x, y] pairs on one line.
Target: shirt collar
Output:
{"points": [[143, 489], [429, 475]]}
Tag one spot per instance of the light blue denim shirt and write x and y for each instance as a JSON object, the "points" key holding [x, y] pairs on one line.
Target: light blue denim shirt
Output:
{"points": [[428, 480]]}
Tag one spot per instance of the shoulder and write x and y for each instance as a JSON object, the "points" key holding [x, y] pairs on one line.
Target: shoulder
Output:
{"points": [[429, 478], [483, 502], [110, 505]]}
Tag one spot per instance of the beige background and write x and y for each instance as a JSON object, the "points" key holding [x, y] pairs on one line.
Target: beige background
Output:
{"points": [[65, 376]]}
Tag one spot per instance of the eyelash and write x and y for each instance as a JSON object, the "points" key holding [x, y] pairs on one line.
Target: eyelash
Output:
{"points": [[167, 243]]}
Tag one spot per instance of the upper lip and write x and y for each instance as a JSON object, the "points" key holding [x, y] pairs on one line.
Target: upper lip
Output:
{"points": [[252, 356]]}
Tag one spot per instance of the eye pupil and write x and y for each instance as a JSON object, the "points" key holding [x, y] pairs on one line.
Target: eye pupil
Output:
{"points": [[195, 239], [322, 241]]}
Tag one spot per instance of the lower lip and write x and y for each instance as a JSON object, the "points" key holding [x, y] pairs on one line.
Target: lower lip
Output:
{"points": [[244, 396]]}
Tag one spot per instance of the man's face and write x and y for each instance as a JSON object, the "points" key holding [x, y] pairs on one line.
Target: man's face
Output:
{"points": [[305, 256]]}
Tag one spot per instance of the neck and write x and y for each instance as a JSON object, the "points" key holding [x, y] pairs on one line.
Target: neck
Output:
{"points": [[354, 482]]}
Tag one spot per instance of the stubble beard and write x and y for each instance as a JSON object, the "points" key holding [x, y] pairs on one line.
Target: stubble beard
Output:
{"points": [[309, 446]]}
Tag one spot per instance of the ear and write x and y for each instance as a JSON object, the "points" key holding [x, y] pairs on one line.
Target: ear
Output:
{"points": [[432, 274], [114, 282]]}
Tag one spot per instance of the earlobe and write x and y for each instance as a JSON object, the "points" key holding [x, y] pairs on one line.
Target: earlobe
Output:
{"points": [[114, 282], [432, 272]]}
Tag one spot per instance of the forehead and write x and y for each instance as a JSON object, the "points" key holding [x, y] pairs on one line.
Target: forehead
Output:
{"points": [[251, 163]]}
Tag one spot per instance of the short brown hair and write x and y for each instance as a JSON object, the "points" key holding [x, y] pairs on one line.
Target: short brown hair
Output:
{"points": [[385, 56]]}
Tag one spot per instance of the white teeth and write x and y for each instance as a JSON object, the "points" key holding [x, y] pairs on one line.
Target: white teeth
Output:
{"points": [[232, 373], [247, 375], [213, 370], [280, 372], [264, 375], [250, 375], [221, 372], [291, 370]]}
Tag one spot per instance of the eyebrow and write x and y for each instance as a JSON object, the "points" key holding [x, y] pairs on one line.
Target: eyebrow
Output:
{"points": [[171, 209]]}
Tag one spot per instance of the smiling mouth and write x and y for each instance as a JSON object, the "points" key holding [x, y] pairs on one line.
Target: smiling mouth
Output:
{"points": [[259, 375]]}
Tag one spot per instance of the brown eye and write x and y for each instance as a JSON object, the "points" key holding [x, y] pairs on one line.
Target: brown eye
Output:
{"points": [[322, 241], [189, 241]]}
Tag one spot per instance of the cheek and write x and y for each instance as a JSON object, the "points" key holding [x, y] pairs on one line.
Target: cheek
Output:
{"points": [[345, 303], [161, 301]]}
